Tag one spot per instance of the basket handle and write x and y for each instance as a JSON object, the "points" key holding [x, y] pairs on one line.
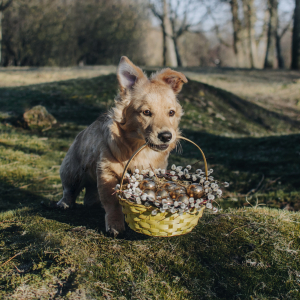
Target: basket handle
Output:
{"points": [[145, 145]]}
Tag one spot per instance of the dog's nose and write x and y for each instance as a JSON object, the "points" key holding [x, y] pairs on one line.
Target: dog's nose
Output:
{"points": [[165, 136]]}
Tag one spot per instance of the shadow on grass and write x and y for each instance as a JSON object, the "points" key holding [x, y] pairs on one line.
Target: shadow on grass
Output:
{"points": [[22, 148], [79, 101], [12, 198]]}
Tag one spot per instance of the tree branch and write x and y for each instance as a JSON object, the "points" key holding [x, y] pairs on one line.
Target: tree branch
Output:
{"points": [[286, 28], [6, 5], [155, 12]]}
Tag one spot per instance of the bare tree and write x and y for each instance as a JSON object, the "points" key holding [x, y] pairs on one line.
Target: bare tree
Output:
{"points": [[238, 33], [270, 58], [3, 6], [161, 11], [279, 36], [176, 18], [296, 38]]}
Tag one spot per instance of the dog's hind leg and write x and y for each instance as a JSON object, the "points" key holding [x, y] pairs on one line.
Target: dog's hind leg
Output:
{"points": [[69, 197]]}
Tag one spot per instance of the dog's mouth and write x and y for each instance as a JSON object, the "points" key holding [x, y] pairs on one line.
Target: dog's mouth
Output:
{"points": [[161, 147]]}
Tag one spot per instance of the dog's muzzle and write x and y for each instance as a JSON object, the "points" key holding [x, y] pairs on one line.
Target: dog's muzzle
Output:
{"points": [[161, 147]]}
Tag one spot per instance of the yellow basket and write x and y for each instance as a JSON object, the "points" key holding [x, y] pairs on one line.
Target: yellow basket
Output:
{"points": [[139, 217]]}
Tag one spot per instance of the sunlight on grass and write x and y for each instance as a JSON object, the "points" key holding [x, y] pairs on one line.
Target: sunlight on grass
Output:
{"points": [[238, 253]]}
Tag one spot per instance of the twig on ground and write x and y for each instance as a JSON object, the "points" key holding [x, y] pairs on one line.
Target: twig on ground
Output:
{"points": [[107, 289], [236, 229], [17, 269], [253, 191], [10, 259]]}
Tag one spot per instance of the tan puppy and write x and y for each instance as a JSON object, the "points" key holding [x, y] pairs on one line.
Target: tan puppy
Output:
{"points": [[145, 110]]}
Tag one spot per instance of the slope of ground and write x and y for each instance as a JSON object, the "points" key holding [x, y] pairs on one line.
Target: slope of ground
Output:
{"points": [[276, 90], [236, 254]]}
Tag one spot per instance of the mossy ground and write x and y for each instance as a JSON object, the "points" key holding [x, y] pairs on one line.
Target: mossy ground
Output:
{"points": [[236, 254]]}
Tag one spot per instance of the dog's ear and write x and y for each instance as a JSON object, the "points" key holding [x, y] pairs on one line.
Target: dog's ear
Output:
{"points": [[128, 74], [174, 79]]}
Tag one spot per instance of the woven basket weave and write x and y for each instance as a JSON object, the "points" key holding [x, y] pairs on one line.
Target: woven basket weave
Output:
{"points": [[139, 217]]}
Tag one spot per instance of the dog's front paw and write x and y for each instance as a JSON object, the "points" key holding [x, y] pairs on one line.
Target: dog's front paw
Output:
{"points": [[114, 223]]}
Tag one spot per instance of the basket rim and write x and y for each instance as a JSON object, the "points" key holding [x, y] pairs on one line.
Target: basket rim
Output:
{"points": [[194, 211]]}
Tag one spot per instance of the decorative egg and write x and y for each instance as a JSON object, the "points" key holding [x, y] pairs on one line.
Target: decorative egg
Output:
{"points": [[150, 194], [147, 185], [162, 193], [170, 186], [195, 191], [177, 192], [182, 199]]}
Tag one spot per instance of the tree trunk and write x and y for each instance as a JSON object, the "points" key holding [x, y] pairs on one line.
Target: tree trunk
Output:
{"points": [[270, 58], [170, 53], [164, 44], [237, 31], [178, 57], [0, 38], [279, 53], [296, 38], [250, 18]]}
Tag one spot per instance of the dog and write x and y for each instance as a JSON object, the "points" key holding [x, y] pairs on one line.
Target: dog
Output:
{"points": [[145, 110]]}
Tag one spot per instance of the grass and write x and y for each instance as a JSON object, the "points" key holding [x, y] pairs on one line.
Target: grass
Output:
{"points": [[239, 253]]}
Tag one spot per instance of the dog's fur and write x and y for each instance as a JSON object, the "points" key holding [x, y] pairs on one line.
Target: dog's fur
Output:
{"points": [[97, 157]]}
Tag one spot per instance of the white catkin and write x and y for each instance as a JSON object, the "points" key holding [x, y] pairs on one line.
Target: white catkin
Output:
{"points": [[173, 167], [208, 205], [137, 171]]}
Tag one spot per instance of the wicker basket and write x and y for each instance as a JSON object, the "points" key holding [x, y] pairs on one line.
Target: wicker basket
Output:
{"points": [[139, 217]]}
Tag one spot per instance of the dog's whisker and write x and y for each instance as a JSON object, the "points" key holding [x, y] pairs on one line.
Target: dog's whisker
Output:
{"points": [[178, 147]]}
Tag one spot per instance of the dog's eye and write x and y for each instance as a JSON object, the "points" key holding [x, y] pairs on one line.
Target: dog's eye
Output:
{"points": [[147, 113], [171, 113]]}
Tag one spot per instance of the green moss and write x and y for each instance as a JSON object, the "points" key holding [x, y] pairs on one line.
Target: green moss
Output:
{"points": [[237, 254]]}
